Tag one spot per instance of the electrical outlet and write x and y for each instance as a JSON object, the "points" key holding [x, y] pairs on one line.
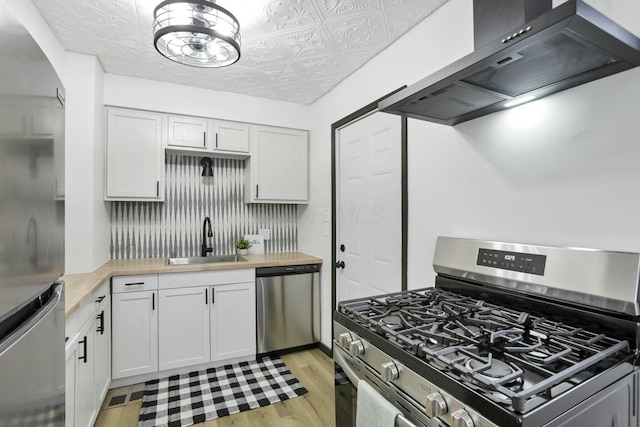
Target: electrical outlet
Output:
{"points": [[266, 233]]}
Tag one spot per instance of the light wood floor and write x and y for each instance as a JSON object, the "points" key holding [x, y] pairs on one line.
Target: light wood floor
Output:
{"points": [[316, 408]]}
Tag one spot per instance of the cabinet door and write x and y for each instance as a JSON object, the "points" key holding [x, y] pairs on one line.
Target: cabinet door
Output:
{"points": [[187, 132], [233, 321], [231, 136], [184, 327], [41, 117], [135, 155], [103, 350], [279, 165], [85, 390], [134, 340], [70, 385]]}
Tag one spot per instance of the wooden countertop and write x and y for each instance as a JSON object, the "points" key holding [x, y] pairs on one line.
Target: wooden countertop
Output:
{"points": [[79, 287]]}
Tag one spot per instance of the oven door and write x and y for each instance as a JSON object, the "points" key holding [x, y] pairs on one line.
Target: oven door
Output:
{"points": [[347, 376]]}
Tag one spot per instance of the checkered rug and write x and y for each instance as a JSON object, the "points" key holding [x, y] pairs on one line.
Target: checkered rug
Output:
{"points": [[187, 399]]}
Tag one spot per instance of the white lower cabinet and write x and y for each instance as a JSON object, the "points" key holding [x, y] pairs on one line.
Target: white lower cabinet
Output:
{"points": [[103, 349], [184, 327], [233, 321], [87, 368], [135, 333], [85, 400]]}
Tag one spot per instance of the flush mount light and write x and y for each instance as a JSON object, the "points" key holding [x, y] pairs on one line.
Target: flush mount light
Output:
{"points": [[198, 33], [518, 101], [207, 169]]}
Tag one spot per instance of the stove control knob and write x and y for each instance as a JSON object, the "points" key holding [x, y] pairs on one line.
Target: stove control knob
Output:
{"points": [[436, 405], [356, 348], [344, 339], [390, 371], [461, 418]]}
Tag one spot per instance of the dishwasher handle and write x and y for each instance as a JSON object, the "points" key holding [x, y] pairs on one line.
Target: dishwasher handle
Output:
{"points": [[261, 311]]}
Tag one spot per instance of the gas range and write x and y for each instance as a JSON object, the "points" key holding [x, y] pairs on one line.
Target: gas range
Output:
{"points": [[494, 344]]}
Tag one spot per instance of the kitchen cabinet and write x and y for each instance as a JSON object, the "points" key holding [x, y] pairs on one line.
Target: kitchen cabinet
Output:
{"points": [[86, 409], [134, 326], [233, 321], [185, 131], [230, 137], [208, 137], [134, 155], [103, 348], [87, 370], [278, 169], [184, 337]]}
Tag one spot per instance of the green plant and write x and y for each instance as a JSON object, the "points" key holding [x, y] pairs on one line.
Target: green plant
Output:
{"points": [[243, 244]]}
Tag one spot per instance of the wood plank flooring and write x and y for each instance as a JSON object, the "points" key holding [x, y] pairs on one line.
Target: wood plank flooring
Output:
{"points": [[316, 408]]}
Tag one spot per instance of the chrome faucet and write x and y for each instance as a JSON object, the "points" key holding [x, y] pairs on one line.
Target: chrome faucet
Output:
{"points": [[204, 248]]}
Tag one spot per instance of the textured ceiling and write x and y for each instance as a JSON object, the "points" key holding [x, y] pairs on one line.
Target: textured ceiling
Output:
{"points": [[292, 50]]}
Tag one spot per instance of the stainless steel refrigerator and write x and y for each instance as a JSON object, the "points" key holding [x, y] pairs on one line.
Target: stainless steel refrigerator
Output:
{"points": [[32, 377]]}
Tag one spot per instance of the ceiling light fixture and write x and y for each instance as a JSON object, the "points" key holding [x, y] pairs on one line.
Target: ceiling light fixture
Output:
{"points": [[198, 33], [518, 101]]}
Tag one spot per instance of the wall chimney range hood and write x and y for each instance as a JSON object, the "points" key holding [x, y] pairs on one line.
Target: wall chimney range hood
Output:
{"points": [[546, 50]]}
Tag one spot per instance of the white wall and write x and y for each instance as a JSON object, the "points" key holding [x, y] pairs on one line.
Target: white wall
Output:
{"points": [[87, 217], [152, 95]]}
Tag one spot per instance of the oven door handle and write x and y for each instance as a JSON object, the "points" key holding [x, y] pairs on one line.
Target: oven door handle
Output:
{"points": [[340, 360]]}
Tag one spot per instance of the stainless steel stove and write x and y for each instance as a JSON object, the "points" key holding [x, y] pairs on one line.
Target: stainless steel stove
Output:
{"points": [[511, 335]]}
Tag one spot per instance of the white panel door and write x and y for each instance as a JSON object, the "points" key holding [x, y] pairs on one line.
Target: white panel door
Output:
{"points": [[233, 321], [103, 350], [369, 207], [86, 409], [134, 341], [135, 155], [184, 338], [231, 136]]}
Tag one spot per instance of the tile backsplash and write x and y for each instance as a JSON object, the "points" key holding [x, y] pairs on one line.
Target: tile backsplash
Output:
{"points": [[174, 228]]}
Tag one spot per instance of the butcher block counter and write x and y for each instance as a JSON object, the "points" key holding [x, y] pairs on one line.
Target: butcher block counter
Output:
{"points": [[79, 287]]}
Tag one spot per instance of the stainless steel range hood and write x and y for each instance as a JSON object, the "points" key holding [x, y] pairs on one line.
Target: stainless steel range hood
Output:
{"points": [[563, 47]]}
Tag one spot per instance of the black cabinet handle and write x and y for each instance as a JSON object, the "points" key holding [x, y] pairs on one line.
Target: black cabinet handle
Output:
{"points": [[216, 140], [100, 299], [84, 345], [213, 296], [256, 191], [134, 284], [204, 140], [206, 296], [157, 188], [153, 301], [340, 264], [101, 327]]}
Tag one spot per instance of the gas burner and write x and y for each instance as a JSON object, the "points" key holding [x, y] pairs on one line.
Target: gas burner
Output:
{"points": [[508, 375], [498, 368], [392, 321]]}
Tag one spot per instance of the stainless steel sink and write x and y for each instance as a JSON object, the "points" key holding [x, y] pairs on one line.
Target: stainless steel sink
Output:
{"points": [[205, 259]]}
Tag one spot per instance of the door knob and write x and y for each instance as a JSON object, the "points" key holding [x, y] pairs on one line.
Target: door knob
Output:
{"points": [[340, 264]]}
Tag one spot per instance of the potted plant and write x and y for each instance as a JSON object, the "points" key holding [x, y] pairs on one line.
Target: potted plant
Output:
{"points": [[242, 246]]}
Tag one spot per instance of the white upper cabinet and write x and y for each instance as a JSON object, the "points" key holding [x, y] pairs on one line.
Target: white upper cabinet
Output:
{"points": [[231, 136], [189, 132], [135, 155], [278, 169], [208, 137]]}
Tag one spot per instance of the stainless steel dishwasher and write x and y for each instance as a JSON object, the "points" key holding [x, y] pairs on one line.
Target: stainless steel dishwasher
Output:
{"points": [[288, 307]]}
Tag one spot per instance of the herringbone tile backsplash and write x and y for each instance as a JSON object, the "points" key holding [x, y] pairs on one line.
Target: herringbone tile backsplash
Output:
{"points": [[174, 228]]}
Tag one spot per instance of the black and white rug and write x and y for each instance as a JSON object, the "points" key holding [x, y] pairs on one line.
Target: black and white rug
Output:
{"points": [[182, 400]]}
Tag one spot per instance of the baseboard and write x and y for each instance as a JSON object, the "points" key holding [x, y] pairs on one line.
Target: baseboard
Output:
{"points": [[325, 349]]}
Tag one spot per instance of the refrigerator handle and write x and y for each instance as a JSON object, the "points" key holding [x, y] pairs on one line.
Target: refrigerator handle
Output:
{"points": [[32, 321]]}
